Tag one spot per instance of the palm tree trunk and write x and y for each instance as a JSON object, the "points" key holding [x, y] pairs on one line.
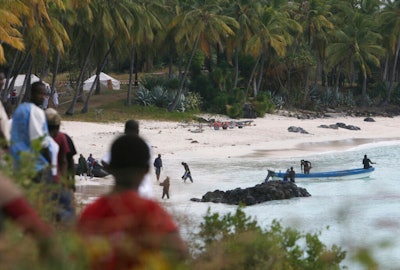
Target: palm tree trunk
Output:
{"points": [[235, 83], [25, 94], [85, 108], [78, 86], [131, 70], [392, 74], [182, 82], [364, 90], [260, 76], [307, 86], [251, 77], [55, 72]]}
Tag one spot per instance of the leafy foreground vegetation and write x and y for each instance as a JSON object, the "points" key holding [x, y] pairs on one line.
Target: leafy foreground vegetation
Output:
{"points": [[233, 241]]}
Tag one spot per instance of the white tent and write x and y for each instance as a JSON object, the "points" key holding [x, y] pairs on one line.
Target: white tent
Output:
{"points": [[19, 82], [106, 82]]}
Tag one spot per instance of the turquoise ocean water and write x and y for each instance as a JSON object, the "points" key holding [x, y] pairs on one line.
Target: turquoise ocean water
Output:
{"points": [[348, 213]]}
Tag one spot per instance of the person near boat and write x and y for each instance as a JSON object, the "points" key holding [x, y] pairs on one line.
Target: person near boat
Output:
{"points": [[305, 166], [292, 175], [367, 162]]}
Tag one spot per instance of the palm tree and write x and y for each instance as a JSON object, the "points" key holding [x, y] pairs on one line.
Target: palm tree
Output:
{"points": [[314, 16], [357, 43], [201, 24], [273, 36], [390, 25], [145, 22], [246, 13], [10, 24]]}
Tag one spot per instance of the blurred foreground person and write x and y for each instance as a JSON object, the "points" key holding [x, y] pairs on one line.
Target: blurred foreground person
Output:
{"points": [[13, 205], [146, 187], [140, 234]]}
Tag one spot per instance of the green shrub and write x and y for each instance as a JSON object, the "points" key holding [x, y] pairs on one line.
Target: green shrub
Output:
{"points": [[237, 242], [234, 110]]}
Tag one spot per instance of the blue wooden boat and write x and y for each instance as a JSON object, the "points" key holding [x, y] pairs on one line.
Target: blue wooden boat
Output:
{"points": [[331, 175]]}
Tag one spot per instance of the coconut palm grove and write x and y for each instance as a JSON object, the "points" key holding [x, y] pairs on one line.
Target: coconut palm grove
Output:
{"points": [[242, 58]]}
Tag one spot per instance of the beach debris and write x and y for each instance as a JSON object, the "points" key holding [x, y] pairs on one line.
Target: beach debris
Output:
{"points": [[272, 190]]}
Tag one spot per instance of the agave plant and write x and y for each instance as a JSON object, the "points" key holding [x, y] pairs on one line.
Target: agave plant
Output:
{"points": [[182, 100], [143, 97], [159, 94]]}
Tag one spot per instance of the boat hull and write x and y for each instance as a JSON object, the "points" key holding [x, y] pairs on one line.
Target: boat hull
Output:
{"points": [[332, 175]]}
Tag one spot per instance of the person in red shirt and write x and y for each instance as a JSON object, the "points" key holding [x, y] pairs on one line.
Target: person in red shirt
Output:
{"points": [[63, 194], [137, 230]]}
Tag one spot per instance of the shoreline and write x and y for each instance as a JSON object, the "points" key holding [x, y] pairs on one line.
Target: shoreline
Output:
{"points": [[265, 137], [176, 142]]}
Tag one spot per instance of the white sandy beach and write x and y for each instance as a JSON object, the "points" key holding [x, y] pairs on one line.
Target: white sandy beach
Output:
{"points": [[264, 138]]}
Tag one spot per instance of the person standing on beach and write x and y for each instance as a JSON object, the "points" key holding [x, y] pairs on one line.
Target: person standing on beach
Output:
{"points": [[157, 166], [133, 230], [146, 186], [91, 163], [83, 167], [28, 127], [366, 162], [165, 184], [187, 173]]}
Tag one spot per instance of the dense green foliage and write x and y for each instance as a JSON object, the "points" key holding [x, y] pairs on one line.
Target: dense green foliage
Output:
{"points": [[306, 54]]}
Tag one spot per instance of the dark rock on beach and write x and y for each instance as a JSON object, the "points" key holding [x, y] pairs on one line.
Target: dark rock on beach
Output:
{"points": [[297, 129], [369, 119], [340, 125], [272, 190]]}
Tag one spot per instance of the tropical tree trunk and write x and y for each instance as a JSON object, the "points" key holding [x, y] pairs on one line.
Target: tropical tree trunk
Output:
{"points": [[385, 69], [364, 91], [307, 85], [55, 72], [260, 76], [182, 82], [131, 70], [235, 82], [251, 77], [25, 94], [392, 74], [78, 85], [85, 108]]}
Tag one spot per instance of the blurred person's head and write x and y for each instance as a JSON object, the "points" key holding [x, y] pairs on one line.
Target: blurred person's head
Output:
{"points": [[129, 161], [131, 127]]}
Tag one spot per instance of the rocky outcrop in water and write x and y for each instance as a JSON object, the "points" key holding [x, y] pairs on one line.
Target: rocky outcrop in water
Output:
{"points": [[272, 190]]}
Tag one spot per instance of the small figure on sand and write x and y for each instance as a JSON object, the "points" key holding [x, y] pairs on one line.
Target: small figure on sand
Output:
{"points": [[83, 167], [187, 173], [367, 162], [165, 185], [305, 166], [91, 162], [157, 166]]}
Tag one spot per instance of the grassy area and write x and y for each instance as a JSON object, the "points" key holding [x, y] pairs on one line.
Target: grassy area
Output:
{"points": [[110, 106]]}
